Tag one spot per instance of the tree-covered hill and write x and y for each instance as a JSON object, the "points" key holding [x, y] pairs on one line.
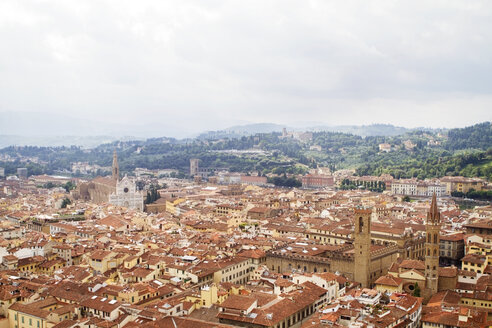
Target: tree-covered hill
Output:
{"points": [[428, 165], [418, 153], [478, 136]]}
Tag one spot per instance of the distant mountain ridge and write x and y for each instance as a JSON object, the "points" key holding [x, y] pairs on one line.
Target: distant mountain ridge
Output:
{"points": [[360, 130], [48, 129], [66, 139], [238, 131], [58, 141], [385, 130]]}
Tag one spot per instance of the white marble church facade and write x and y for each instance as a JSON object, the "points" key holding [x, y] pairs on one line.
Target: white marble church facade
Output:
{"points": [[126, 195]]}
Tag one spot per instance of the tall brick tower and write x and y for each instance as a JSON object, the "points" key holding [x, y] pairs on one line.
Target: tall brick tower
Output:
{"points": [[194, 168], [362, 246], [432, 229], [116, 168]]}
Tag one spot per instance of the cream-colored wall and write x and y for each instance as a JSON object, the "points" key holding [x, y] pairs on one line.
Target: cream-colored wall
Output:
{"points": [[390, 289], [15, 320], [4, 323]]}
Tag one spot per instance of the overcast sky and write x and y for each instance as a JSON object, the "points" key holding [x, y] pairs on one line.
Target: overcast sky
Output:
{"points": [[208, 64]]}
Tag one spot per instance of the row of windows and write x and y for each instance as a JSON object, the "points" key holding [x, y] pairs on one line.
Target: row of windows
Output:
{"points": [[236, 267], [296, 317], [236, 275], [482, 231], [298, 268], [473, 264], [429, 252], [478, 304], [38, 324]]}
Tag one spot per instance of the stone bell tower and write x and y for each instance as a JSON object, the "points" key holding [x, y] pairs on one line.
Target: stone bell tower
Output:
{"points": [[116, 168], [432, 229], [362, 246]]}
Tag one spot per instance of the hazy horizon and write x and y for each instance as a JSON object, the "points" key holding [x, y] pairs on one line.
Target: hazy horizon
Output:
{"points": [[46, 125]]}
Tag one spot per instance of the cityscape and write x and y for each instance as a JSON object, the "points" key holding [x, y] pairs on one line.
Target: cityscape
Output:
{"points": [[296, 245], [257, 164]]}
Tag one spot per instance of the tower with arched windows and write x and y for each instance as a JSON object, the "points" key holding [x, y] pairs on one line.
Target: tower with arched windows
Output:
{"points": [[432, 229], [115, 167], [362, 246]]}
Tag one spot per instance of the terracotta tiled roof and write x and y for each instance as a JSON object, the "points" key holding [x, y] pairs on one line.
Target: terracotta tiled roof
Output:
{"points": [[474, 258], [30, 309], [238, 302], [412, 264], [448, 272], [173, 322], [389, 280], [100, 303]]}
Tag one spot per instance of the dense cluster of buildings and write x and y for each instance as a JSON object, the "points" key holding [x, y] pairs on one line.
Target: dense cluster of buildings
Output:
{"points": [[444, 186], [240, 254]]}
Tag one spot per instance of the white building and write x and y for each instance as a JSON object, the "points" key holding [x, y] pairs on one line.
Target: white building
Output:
{"points": [[404, 187], [413, 187], [229, 178], [126, 194], [324, 280], [439, 190]]}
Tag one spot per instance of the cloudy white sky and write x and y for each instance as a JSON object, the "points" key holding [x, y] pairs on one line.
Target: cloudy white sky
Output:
{"points": [[201, 65]]}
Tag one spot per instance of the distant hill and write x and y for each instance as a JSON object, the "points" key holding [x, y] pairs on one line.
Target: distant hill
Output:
{"points": [[56, 141], [242, 130], [34, 124], [238, 131], [478, 136], [365, 130], [430, 154]]}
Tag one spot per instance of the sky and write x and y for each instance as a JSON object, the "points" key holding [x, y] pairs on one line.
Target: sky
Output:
{"points": [[188, 66]]}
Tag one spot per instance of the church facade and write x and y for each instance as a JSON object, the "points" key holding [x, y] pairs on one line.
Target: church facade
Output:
{"points": [[427, 274], [111, 190], [126, 195]]}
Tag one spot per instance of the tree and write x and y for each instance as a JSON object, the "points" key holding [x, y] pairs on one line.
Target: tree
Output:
{"points": [[65, 202], [140, 184], [416, 291], [406, 199], [49, 185], [284, 181], [152, 194], [69, 186]]}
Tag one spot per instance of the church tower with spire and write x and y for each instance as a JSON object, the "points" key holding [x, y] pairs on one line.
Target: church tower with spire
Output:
{"points": [[116, 168], [432, 229]]}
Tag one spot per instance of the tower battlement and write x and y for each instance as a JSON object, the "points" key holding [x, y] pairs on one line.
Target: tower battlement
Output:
{"points": [[362, 211]]}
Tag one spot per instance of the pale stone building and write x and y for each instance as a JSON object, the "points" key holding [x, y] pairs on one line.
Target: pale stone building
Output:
{"points": [[111, 190], [126, 194]]}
